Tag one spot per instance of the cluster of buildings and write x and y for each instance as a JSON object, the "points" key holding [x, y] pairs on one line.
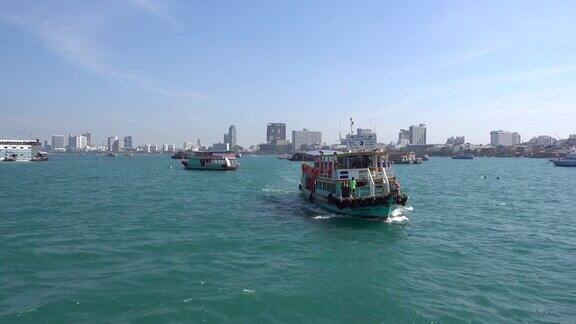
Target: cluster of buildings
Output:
{"points": [[114, 144], [507, 144], [412, 139], [276, 141], [74, 143], [414, 135]]}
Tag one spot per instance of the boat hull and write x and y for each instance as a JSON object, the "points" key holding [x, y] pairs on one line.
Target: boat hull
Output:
{"points": [[373, 212], [567, 163], [215, 167]]}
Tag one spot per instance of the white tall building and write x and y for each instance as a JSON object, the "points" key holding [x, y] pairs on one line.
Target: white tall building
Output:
{"points": [[504, 138], [306, 137], [418, 134], [81, 142], [118, 145], [187, 145], [110, 143], [231, 136], [403, 138], [168, 148]]}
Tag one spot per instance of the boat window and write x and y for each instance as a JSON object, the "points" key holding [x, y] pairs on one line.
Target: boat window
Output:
{"points": [[360, 162]]}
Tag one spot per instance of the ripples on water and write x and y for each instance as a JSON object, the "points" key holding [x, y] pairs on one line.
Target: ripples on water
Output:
{"points": [[140, 239]]}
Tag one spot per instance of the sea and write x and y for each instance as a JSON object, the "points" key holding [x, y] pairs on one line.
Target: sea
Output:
{"points": [[95, 239]]}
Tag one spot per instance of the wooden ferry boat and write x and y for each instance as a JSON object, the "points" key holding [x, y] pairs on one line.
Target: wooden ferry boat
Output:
{"points": [[357, 184], [210, 160]]}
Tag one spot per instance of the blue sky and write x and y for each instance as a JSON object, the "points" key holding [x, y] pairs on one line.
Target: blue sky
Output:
{"points": [[168, 71]]}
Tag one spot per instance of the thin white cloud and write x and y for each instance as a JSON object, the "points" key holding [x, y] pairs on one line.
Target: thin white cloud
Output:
{"points": [[158, 9], [72, 38], [468, 56]]}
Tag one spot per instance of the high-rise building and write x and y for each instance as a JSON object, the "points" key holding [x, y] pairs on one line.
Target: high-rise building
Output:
{"points": [[168, 148], [403, 137], [81, 142], [88, 138], [118, 145], [230, 137], [128, 142], [418, 134], [187, 146], [306, 137], [58, 142], [275, 132], [71, 142], [110, 143], [504, 138]]}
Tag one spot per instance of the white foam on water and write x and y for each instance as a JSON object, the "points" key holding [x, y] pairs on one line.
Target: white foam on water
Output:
{"points": [[398, 215], [29, 310], [321, 217], [248, 291], [187, 300], [397, 219]]}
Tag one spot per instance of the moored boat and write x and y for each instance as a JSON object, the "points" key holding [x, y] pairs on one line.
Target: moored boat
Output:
{"points": [[463, 156], [210, 160], [358, 184], [568, 160]]}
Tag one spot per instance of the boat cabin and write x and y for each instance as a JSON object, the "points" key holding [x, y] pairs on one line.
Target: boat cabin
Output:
{"points": [[332, 173]]}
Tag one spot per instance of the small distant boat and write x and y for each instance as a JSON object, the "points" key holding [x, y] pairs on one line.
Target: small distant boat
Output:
{"points": [[110, 154], [210, 160], [567, 161], [328, 183], [463, 156], [424, 157]]}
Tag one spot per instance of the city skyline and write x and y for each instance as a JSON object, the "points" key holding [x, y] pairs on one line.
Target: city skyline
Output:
{"points": [[173, 71]]}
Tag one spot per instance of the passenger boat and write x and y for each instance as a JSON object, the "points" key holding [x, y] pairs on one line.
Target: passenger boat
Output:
{"points": [[327, 182], [568, 160], [210, 160], [463, 156], [21, 151]]}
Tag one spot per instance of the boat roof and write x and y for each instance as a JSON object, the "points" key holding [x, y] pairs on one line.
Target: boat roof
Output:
{"points": [[356, 153], [19, 142]]}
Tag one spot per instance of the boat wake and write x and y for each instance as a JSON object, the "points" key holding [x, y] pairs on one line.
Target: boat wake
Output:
{"points": [[399, 215], [323, 217]]}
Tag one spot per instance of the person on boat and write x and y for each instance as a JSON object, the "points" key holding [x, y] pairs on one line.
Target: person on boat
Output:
{"points": [[345, 190], [353, 186]]}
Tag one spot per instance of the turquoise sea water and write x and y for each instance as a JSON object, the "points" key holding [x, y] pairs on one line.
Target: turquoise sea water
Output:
{"points": [[139, 239]]}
